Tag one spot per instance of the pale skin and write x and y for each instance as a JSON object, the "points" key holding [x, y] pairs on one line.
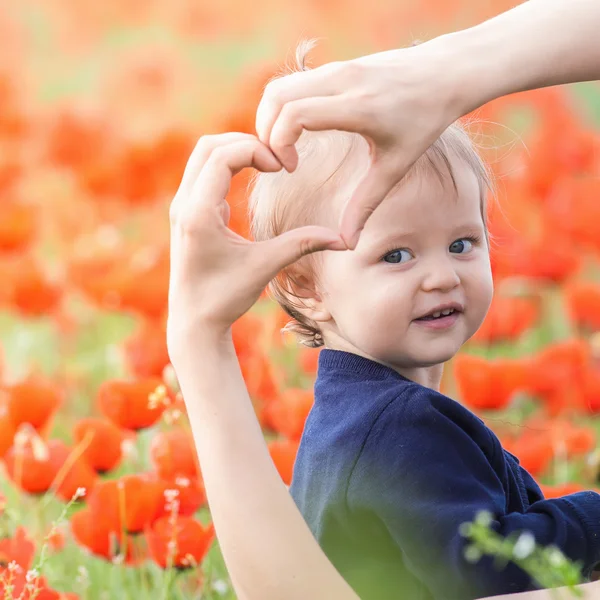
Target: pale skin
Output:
{"points": [[400, 101], [434, 236]]}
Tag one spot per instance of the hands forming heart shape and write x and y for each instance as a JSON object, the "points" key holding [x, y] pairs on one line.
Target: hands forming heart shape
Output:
{"points": [[400, 101], [382, 97]]}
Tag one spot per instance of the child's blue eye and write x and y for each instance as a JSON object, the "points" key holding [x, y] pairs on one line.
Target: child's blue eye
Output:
{"points": [[395, 256], [461, 246]]}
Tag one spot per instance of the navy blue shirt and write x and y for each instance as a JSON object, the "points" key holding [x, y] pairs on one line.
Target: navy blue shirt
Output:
{"points": [[387, 471]]}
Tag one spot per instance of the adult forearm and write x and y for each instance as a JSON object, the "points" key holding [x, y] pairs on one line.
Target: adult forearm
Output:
{"points": [[267, 546], [536, 44]]}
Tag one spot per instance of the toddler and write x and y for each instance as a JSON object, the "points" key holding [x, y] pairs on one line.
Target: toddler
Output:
{"points": [[389, 468]]}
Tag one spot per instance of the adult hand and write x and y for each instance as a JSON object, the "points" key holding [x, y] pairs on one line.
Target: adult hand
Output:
{"points": [[217, 275], [400, 101]]}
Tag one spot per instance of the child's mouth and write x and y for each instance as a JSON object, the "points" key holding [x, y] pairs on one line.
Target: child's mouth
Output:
{"points": [[438, 315], [440, 319]]}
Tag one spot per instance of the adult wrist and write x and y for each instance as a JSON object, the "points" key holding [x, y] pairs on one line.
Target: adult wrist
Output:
{"points": [[477, 70], [198, 339]]}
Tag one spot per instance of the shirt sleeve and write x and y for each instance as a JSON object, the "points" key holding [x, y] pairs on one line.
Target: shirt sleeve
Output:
{"points": [[532, 489], [423, 475]]}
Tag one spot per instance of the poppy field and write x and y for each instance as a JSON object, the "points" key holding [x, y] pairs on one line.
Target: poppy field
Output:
{"points": [[100, 107]]}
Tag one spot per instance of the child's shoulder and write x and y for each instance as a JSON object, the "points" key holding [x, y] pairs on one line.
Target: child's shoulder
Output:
{"points": [[416, 406], [416, 421], [420, 429], [355, 392]]}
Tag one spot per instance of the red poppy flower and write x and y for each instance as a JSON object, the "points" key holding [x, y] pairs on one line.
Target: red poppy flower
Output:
{"points": [[572, 208], [173, 453], [130, 502], [583, 302], [144, 287], [15, 585], [56, 539], [100, 271], [556, 374], [33, 400], [94, 534], [563, 489], [288, 413], [528, 243], [534, 451], [590, 390], [576, 440], [147, 172], [262, 382], [507, 319], [18, 226], [189, 493], [76, 138], [486, 384], [98, 535], [20, 548], [283, 453], [35, 466], [309, 360], [559, 147], [103, 443], [247, 334], [34, 292], [129, 405], [7, 427], [146, 351], [179, 542]]}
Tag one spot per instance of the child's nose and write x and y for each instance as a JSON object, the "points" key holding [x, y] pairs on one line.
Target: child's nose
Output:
{"points": [[439, 274]]}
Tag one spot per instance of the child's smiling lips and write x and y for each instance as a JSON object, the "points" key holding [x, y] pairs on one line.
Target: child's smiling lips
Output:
{"points": [[441, 316]]}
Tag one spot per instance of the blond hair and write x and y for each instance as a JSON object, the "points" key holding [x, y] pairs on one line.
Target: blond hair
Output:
{"points": [[329, 162]]}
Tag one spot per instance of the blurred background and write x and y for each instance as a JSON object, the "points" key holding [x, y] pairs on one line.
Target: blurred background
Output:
{"points": [[100, 106]]}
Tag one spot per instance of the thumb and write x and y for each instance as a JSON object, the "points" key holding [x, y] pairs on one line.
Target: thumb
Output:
{"points": [[379, 180], [287, 248]]}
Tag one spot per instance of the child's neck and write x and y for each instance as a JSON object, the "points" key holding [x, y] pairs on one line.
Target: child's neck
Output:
{"points": [[430, 377]]}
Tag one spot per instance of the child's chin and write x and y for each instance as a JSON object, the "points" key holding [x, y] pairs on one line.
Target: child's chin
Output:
{"points": [[436, 356]]}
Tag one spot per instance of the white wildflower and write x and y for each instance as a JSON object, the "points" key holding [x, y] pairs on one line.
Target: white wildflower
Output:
{"points": [[525, 545], [129, 449], [32, 575], [220, 587], [472, 554], [171, 494], [556, 557], [484, 518], [13, 567], [119, 559], [83, 576]]}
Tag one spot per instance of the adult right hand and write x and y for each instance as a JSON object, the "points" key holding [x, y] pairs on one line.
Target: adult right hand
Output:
{"points": [[400, 101]]}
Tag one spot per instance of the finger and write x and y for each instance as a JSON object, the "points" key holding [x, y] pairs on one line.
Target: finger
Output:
{"points": [[304, 84], [213, 182], [312, 114], [287, 248], [369, 194], [203, 149]]}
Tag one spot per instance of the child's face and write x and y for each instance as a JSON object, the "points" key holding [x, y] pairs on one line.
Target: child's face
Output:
{"points": [[423, 248]]}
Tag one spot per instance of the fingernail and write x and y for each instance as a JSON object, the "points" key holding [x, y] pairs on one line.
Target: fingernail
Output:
{"points": [[276, 164], [355, 238], [350, 241], [289, 159], [338, 244]]}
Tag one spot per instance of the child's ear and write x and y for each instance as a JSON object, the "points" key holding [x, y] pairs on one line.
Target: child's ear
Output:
{"points": [[311, 298]]}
